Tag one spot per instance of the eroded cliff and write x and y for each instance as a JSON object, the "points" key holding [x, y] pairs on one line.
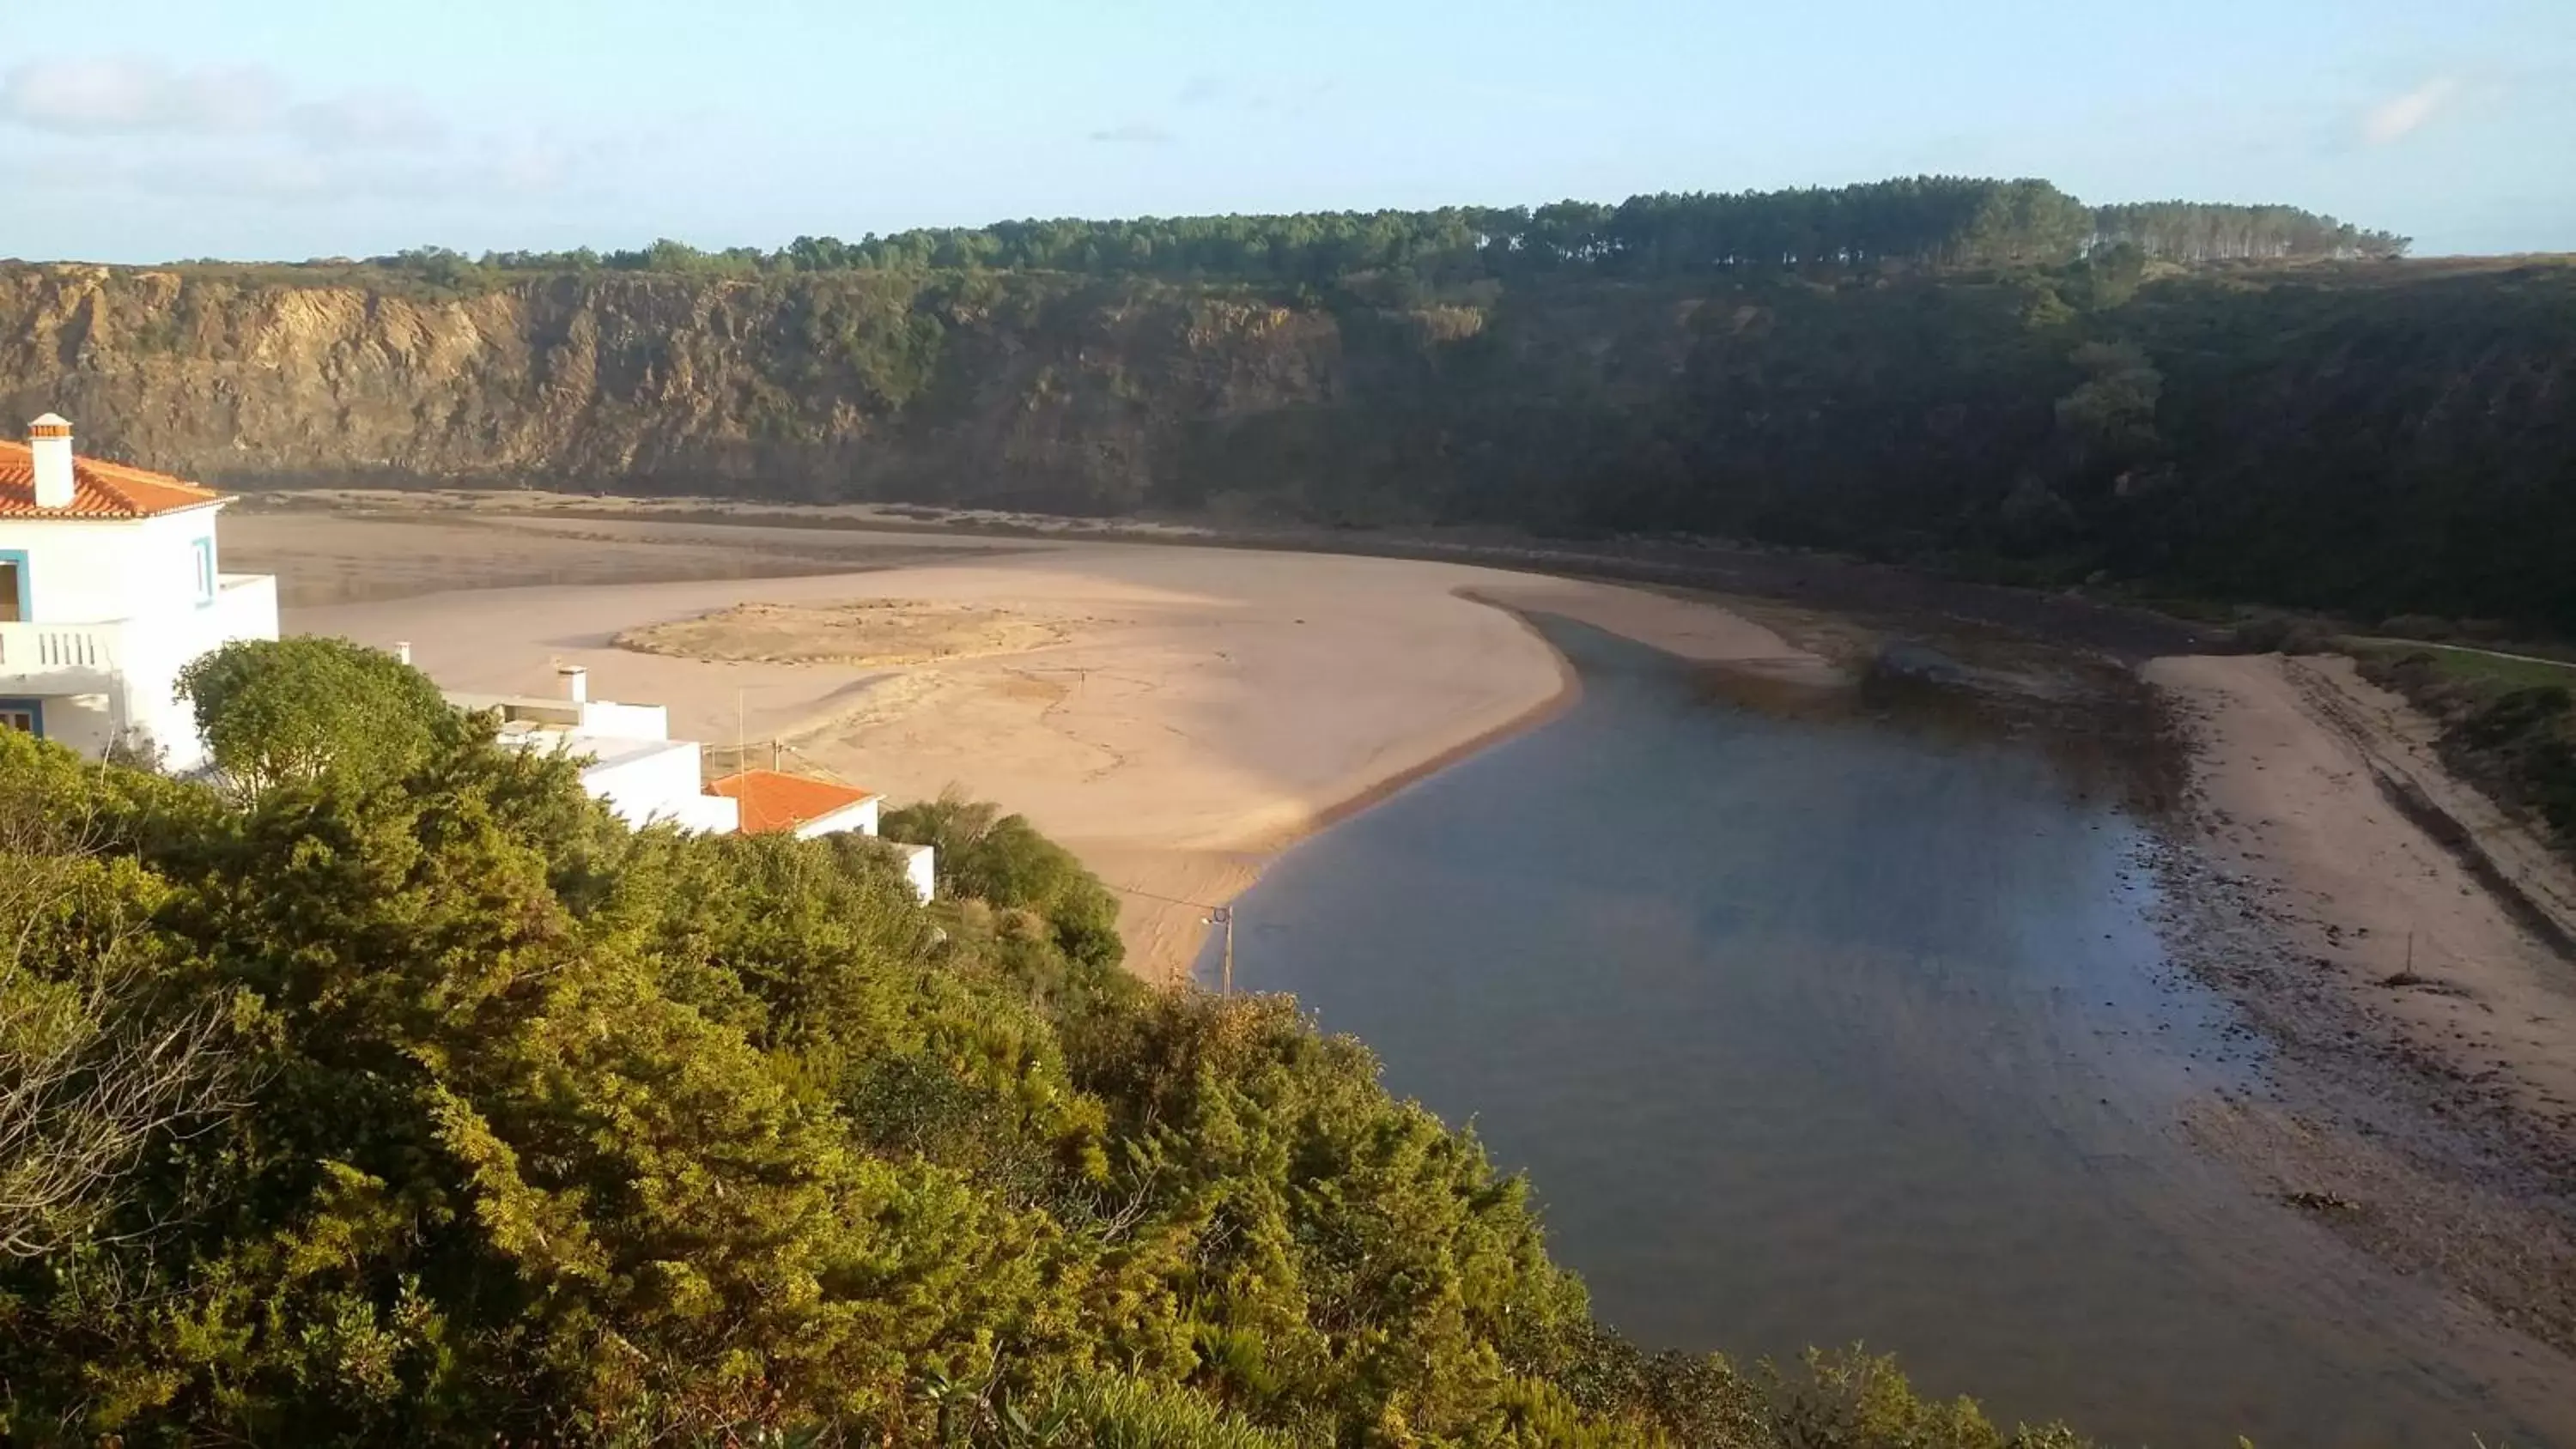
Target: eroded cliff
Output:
{"points": [[2383, 438], [837, 386]]}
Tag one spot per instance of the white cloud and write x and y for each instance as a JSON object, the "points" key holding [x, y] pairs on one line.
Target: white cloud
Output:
{"points": [[103, 96], [2401, 116], [131, 96]]}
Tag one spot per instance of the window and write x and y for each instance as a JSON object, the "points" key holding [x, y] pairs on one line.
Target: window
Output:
{"points": [[205, 570], [23, 714], [13, 587]]}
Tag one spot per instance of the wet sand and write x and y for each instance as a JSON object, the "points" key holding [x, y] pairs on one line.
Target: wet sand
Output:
{"points": [[1178, 716], [2429, 1108], [1814, 1025]]}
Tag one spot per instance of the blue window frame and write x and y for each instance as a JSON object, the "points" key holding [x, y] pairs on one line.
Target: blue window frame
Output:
{"points": [[205, 571], [25, 576], [23, 714]]}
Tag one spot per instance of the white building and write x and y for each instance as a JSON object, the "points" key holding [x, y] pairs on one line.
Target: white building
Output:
{"points": [[630, 762], [110, 583], [800, 805]]}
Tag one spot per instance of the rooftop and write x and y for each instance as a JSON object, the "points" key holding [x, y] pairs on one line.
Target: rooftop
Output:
{"points": [[99, 489], [543, 708], [603, 751], [772, 801]]}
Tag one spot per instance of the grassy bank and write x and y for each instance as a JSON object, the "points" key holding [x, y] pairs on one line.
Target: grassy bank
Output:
{"points": [[2508, 721]]}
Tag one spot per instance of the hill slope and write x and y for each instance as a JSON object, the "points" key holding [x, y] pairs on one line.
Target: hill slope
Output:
{"points": [[2379, 437]]}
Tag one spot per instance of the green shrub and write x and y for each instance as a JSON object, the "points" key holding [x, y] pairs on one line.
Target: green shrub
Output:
{"points": [[280, 710], [542, 1130], [1002, 860]]}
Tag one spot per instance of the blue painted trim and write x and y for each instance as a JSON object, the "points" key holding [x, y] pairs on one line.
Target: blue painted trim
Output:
{"points": [[207, 584], [34, 707], [26, 581]]}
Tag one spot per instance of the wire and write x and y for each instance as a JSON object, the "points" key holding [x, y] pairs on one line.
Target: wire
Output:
{"points": [[1167, 900]]}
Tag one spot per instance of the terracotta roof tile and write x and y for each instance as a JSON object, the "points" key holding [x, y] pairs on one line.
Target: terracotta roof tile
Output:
{"points": [[773, 802], [99, 489]]}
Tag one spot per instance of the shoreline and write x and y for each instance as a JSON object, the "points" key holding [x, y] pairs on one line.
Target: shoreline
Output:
{"points": [[1164, 948], [1170, 956], [1569, 693], [1782, 574], [1195, 712], [2422, 1105]]}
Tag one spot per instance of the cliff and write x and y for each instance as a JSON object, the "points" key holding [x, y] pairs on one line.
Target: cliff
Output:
{"points": [[2382, 438], [854, 385]]}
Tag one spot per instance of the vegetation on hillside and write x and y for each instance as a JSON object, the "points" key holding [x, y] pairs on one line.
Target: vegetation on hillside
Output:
{"points": [[477, 1117], [2179, 400], [2508, 722]]}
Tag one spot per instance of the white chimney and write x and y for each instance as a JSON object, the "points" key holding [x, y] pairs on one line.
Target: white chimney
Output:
{"points": [[402, 650], [50, 439], [576, 682]]}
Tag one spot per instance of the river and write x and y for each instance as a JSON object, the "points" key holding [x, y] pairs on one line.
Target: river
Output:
{"points": [[1816, 1027]]}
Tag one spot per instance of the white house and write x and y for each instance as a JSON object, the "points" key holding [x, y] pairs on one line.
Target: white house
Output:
{"points": [[777, 803], [630, 762], [110, 583]]}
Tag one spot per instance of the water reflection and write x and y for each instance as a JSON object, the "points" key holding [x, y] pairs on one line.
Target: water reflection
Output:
{"points": [[1841, 1019]]}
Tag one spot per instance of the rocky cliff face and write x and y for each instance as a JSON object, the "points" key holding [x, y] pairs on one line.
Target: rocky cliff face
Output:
{"points": [[807, 387], [2384, 439]]}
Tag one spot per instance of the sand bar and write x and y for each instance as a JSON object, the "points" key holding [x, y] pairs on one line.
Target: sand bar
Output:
{"points": [[1181, 714]]}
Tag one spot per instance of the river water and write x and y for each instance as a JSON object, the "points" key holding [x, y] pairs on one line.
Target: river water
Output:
{"points": [[1849, 1026]]}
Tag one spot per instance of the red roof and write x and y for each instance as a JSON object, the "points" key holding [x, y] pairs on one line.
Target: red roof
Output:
{"points": [[773, 802], [99, 490]]}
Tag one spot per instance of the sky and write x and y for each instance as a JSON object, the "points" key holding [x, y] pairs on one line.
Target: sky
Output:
{"points": [[154, 130]]}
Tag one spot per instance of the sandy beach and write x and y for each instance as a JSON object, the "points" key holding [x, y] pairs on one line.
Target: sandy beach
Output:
{"points": [[1174, 714], [2288, 751]]}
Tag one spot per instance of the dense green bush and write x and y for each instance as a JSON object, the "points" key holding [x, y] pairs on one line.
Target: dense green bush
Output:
{"points": [[1003, 861], [274, 710], [517, 1127]]}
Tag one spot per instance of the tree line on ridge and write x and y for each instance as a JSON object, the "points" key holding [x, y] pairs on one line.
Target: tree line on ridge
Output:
{"points": [[1920, 220]]}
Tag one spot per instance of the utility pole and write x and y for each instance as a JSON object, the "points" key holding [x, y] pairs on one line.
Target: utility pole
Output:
{"points": [[1221, 917], [1225, 918]]}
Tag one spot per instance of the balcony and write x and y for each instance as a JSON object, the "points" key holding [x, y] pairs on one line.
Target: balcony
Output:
{"points": [[146, 651], [59, 658]]}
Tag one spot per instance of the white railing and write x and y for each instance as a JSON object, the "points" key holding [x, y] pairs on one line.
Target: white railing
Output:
{"points": [[57, 648]]}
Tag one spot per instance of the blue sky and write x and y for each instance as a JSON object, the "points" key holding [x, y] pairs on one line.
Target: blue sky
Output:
{"points": [[145, 130]]}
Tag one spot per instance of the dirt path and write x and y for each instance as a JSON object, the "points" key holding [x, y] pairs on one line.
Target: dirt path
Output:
{"points": [[2427, 1022]]}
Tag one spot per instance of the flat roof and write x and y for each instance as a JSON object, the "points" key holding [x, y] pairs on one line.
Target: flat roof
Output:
{"points": [[469, 700], [603, 750]]}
